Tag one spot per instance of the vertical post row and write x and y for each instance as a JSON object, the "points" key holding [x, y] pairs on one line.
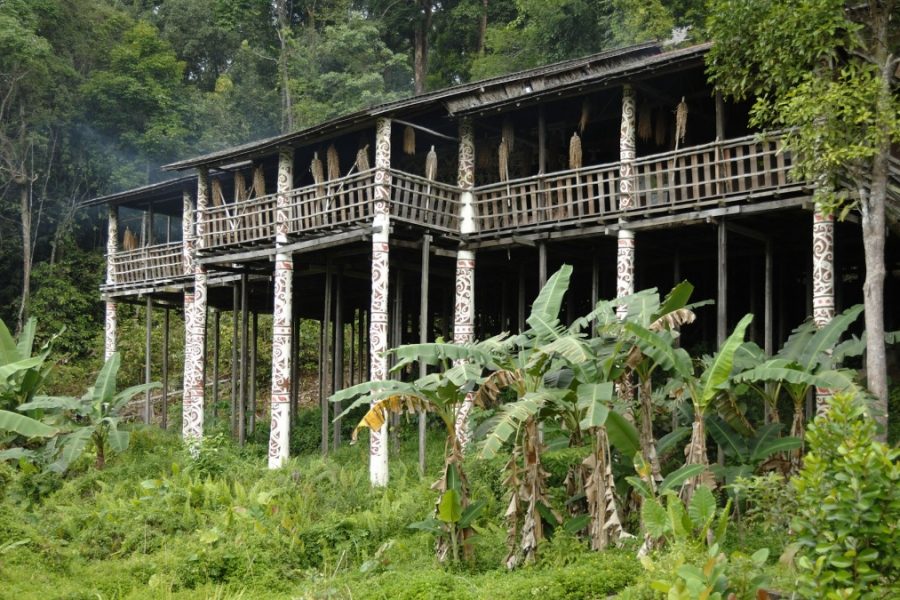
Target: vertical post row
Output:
{"points": [[112, 246], [823, 281], [464, 304], [195, 323], [378, 319], [625, 242], [282, 318]]}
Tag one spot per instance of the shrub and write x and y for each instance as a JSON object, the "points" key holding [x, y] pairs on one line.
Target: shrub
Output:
{"points": [[848, 492]]}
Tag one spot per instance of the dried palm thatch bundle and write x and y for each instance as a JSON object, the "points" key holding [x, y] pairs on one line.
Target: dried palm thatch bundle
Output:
{"points": [[409, 140], [318, 173], [661, 129], [259, 181], [508, 133], [240, 187], [503, 160], [681, 115], [129, 241], [575, 155], [645, 122], [585, 115], [362, 159], [333, 163], [431, 164], [218, 199]]}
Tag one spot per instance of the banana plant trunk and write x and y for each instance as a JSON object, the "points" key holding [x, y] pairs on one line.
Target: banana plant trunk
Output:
{"points": [[695, 454], [453, 460], [648, 442], [605, 525]]}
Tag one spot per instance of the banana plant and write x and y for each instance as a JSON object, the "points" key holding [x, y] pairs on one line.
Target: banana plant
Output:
{"points": [[749, 455], [442, 394], [72, 424], [806, 361], [651, 332], [22, 373]]}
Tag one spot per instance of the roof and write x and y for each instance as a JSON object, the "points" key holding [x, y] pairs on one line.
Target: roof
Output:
{"points": [[155, 191], [470, 97]]}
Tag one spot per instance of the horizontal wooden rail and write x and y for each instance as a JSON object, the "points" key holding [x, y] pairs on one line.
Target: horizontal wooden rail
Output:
{"points": [[147, 264]]}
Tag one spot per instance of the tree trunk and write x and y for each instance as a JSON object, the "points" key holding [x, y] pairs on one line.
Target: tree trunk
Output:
{"points": [[420, 46], [25, 215], [482, 27], [648, 443], [284, 28], [872, 207]]}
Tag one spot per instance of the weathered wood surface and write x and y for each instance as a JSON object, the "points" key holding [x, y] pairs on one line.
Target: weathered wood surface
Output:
{"points": [[160, 262], [688, 179]]}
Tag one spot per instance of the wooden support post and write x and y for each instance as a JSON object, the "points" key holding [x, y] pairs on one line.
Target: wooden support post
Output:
{"points": [[235, 355], [338, 352], [423, 338], [294, 387], [378, 317], [542, 141], [822, 284], [245, 353], [542, 264], [112, 247], [768, 330], [396, 339], [254, 354], [351, 367], [722, 284], [721, 300], [324, 357], [720, 117], [217, 318], [164, 409], [504, 304], [284, 383], [595, 289], [521, 307], [148, 362], [195, 315]]}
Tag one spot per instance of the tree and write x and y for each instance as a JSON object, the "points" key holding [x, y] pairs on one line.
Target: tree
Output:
{"points": [[827, 72]]}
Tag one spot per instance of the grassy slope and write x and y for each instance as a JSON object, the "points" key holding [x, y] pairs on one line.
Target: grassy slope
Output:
{"points": [[156, 524]]}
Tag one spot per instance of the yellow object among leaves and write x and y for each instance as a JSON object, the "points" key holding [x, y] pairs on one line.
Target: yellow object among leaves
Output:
{"points": [[376, 417]]}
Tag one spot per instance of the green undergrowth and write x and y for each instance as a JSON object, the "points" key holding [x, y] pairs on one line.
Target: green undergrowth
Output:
{"points": [[158, 523]]}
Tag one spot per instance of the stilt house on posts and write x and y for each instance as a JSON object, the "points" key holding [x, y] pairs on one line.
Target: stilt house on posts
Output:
{"points": [[442, 214]]}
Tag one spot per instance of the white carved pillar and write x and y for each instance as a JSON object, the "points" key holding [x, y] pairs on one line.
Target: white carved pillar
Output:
{"points": [[464, 302], [195, 322], [625, 245], [112, 247], [823, 281], [282, 318], [378, 319]]}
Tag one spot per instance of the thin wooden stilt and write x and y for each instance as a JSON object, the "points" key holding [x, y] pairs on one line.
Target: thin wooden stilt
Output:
{"points": [[521, 307], [722, 300], [351, 367], [768, 331], [235, 344], [254, 354], [338, 352], [245, 351], [423, 338], [542, 264], [595, 289], [148, 355], [164, 408], [326, 354], [217, 319]]}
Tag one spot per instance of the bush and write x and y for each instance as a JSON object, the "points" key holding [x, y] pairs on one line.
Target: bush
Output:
{"points": [[848, 493]]}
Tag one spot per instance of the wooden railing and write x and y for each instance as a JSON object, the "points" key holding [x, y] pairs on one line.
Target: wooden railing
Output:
{"points": [[148, 264], [333, 204], [556, 198], [421, 201], [244, 223], [709, 174]]}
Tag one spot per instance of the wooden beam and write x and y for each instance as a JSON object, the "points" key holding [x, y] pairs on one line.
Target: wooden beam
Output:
{"points": [[254, 355], [245, 351], [595, 288], [542, 141], [164, 409], [423, 338], [542, 264], [148, 355], [521, 297], [722, 283], [217, 318], [325, 356], [436, 134], [235, 304], [338, 352]]}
